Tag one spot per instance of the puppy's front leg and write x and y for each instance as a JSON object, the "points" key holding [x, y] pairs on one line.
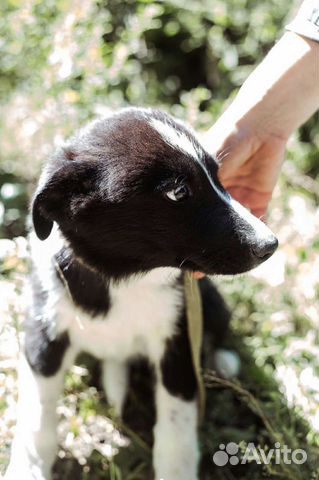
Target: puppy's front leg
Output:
{"points": [[176, 453], [115, 380], [175, 438], [34, 446]]}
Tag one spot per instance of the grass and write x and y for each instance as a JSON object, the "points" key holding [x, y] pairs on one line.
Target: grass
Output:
{"points": [[274, 399], [275, 326]]}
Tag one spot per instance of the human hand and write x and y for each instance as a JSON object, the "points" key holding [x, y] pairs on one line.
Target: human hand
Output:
{"points": [[249, 139], [250, 163]]}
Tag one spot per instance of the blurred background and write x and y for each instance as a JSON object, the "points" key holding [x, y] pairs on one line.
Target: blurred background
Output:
{"points": [[64, 62]]}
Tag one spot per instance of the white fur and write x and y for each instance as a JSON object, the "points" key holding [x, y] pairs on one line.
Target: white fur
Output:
{"points": [[176, 138], [35, 443], [142, 317], [115, 380], [262, 232], [175, 452], [182, 142]]}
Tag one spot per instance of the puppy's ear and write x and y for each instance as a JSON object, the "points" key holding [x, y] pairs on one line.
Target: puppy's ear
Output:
{"points": [[62, 195], [41, 222]]}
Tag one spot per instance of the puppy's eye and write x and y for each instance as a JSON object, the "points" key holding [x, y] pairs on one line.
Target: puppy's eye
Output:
{"points": [[178, 193]]}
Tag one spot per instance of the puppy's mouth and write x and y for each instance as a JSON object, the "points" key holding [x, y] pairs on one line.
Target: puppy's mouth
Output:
{"points": [[224, 267], [190, 265], [195, 268]]}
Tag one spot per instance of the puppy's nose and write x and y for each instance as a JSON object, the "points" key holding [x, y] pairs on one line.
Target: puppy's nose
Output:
{"points": [[266, 247]]}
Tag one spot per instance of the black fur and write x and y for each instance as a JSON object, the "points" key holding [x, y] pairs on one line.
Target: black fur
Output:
{"points": [[139, 411], [107, 191], [43, 349], [112, 193], [177, 364], [177, 368], [216, 314], [44, 355], [89, 290]]}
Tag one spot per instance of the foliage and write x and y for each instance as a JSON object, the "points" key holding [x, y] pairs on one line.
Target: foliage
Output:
{"points": [[64, 62]]}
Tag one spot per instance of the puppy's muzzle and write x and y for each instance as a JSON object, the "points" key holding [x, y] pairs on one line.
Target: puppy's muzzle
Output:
{"points": [[264, 248]]}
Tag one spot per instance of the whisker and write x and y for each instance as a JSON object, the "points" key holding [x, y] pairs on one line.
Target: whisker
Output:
{"points": [[222, 155], [226, 154], [183, 261]]}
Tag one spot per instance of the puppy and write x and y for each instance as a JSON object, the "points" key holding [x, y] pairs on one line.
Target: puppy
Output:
{"points": [[120, 211]]}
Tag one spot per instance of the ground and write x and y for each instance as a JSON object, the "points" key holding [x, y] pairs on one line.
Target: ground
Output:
{"points": [[274, 399]]}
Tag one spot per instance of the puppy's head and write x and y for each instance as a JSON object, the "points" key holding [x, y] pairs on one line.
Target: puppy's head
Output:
{"points": [[137, 191]]}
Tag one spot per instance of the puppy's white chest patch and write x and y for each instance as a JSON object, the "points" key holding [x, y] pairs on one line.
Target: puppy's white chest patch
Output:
{"points": [[142, 316]]}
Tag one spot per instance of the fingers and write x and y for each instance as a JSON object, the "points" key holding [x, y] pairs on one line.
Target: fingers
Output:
{"points": [[256, 201]]}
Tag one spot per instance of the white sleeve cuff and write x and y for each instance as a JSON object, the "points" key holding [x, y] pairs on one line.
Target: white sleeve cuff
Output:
{"points": [[306, 22]]}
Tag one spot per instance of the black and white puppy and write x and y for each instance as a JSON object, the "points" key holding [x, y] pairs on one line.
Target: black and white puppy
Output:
{"points": [[120, 210]]}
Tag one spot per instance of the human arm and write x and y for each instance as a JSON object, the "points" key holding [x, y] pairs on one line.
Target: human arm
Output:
{"points": [[250, 137]]}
